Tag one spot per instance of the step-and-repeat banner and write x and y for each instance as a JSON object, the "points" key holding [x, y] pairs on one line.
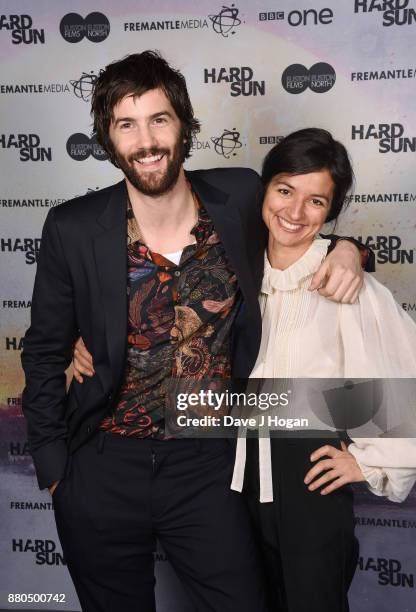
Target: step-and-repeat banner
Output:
{"points": [[256, 70]]}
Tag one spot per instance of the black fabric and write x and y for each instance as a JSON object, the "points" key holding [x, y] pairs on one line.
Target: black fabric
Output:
{"points": [[120, 493], [308, 549]]}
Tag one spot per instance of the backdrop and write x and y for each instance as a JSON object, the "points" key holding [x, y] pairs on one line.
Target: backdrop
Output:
{"points": [[256, 70]]}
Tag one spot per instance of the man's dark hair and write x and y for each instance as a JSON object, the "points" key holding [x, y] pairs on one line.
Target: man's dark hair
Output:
{"points": [[312, 150], [134, 75]]}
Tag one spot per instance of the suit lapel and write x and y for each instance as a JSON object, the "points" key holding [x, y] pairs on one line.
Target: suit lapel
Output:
{"points": [[228, 224], [110, 247]]}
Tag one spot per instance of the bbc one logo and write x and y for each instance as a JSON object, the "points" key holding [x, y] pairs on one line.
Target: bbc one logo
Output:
{"points": [[21, 30], [74, 28], [241, 80], [297, 18], [320, 78], [28, 145], [80, 146], [390, 137], [226, 144], [394, 12]]}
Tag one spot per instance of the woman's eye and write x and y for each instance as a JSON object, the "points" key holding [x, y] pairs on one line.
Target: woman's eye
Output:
{"points": [[284, 191], [125, 126]]}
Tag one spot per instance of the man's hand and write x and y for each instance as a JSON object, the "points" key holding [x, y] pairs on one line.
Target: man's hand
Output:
{"points": [[52, 488], [340, 276], [82, 361], [340, 467]]}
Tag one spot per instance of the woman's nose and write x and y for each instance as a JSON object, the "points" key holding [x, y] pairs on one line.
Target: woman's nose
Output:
{"points": [[296, 209]]}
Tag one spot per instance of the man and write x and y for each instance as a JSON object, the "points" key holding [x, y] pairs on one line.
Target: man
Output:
{"points": [[159, 274]]}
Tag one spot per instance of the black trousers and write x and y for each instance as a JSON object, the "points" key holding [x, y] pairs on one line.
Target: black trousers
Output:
{"points": [[120, 494], [309, 552]]}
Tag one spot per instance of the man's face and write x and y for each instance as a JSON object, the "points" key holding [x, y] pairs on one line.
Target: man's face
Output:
{"points": [[148, 141]]}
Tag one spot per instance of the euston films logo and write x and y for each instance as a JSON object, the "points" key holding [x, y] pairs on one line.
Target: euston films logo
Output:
{"points": [[297, 78], [83, 87], [226, 144], [28, 145], [394, 12], [388, 249], [390, 137], [29, 246], [297, 18], [74, 28], [79, 147], [388, 570], [241, 80], [21, 30], [224, 23]]}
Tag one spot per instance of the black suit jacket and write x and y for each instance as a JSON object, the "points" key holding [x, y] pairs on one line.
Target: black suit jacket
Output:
{"points": [[81, 289]]}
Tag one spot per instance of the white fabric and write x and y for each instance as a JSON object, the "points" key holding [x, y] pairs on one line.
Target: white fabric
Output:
{"points": [[307, 336], [174, 257]]}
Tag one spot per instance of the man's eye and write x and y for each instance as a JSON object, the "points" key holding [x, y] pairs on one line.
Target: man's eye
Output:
{"points": [[125, 125], [160, 120], [317, 202]]}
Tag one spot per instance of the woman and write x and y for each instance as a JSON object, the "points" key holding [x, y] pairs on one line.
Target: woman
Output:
{"points": [[307, 536]]}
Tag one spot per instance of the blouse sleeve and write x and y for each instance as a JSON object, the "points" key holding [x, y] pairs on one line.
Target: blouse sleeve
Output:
{"points": [[379, 341]]}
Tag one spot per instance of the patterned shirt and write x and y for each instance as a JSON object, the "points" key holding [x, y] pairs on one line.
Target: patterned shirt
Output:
{"points": [[180, 319]]}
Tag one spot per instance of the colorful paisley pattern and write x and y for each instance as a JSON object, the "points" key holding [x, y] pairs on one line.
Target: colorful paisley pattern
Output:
{"points": [[179, 325]]}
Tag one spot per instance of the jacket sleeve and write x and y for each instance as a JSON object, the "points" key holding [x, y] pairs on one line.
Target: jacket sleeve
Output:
{"points": [[47, 352], [367, 255]]}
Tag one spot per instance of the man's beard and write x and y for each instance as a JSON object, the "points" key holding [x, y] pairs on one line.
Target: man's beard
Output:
{"points": [[153, 183]]}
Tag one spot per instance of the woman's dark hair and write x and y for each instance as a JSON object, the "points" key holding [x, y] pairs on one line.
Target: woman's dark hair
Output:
{"points": [[134, 75], [311, 150]]}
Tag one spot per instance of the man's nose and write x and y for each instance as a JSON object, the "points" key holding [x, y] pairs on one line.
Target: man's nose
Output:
{"points": [[146, 137]]}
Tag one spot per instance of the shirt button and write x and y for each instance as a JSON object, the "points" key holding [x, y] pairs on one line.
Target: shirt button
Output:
{"points": [[177, 273]]}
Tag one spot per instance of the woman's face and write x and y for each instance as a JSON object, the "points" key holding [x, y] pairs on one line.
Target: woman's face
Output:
{"points": [[295, 206]]}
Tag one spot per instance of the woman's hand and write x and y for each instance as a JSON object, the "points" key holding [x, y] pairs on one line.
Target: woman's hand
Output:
{"points": [[340, 467], [82, 360], [340, 276]]}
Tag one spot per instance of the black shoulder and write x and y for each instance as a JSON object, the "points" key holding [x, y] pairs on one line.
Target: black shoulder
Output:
{"points": [[86, 207], [230, 179]]}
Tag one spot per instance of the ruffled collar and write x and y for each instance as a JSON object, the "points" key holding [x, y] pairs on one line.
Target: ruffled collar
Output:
{"points": [[292, 277]]}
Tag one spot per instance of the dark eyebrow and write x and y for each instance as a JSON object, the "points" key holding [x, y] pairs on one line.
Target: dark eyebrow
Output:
{"points": [[122, 119], [154, 116], [313, 195]]}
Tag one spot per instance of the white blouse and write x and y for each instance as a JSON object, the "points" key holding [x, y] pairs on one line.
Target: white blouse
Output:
{"points": [[305, 335]]}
